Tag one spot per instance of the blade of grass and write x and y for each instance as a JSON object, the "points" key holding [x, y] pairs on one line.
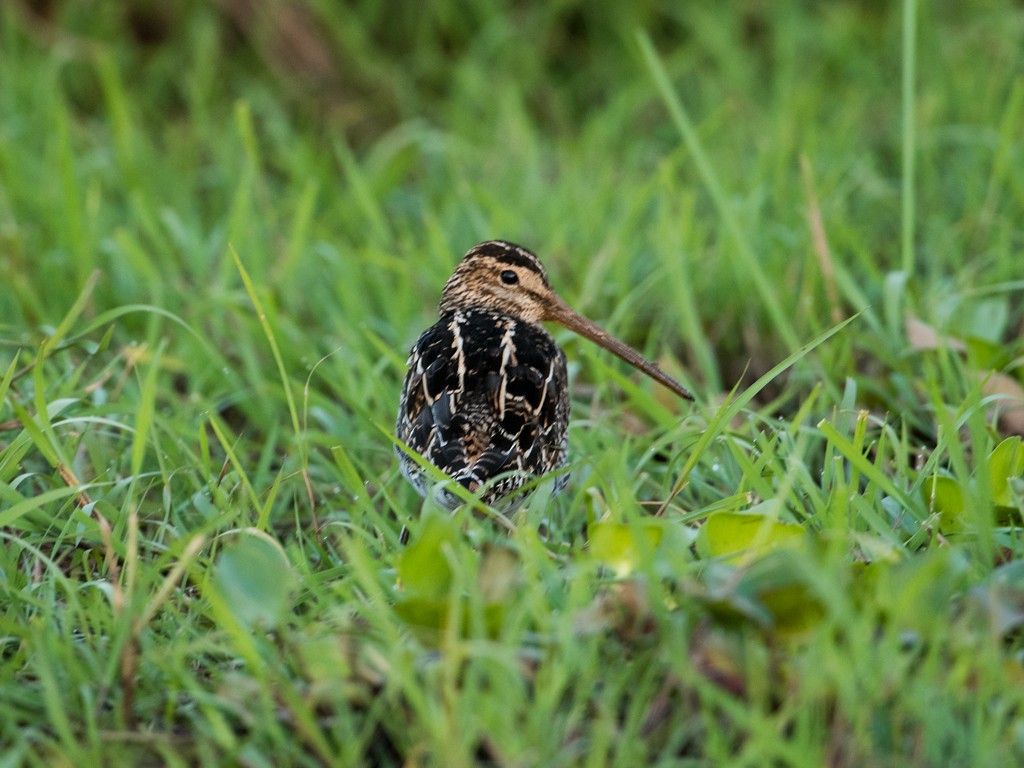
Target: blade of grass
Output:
{"points": [[869, 470], [144, 412], [170, 581], [72, 314], [254, 499], [5, 384], [10, 515], [734, 403], [780, 315], [282, 372], [909, 59]]}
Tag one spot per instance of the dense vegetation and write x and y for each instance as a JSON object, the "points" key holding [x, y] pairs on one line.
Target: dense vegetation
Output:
{"points": [[223, 225]]}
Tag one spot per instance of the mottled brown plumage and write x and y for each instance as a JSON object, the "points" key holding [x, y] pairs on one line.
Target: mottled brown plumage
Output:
{"points": [[486, 397]]}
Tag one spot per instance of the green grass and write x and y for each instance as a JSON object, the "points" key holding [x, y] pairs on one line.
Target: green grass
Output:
{"points": [[215, 255]]}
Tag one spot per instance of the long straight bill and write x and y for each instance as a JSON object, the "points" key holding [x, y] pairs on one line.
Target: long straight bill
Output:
{"points": [[562, 313]]}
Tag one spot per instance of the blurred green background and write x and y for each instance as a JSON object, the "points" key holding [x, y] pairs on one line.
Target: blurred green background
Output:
{"points": [[223, 224], [349, 151]]}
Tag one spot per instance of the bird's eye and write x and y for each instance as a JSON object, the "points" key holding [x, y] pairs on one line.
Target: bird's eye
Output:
{"points": [[508, 277]]}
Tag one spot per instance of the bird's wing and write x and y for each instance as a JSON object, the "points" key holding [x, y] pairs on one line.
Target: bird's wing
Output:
{"points": [[486, 395]]}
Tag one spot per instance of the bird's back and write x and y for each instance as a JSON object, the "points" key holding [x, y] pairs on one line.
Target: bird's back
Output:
{"points": [[485, 395]]}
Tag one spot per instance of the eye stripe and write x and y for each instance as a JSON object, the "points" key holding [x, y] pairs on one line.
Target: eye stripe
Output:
{"points": [[506, 253], [514, 259]]}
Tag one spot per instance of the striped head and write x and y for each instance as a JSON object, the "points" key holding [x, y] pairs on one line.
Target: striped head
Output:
{"points": [[501, 277], [505, 278]]}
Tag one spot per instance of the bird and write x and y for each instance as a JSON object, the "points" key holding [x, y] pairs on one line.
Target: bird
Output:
{"points": [[486, 395]]}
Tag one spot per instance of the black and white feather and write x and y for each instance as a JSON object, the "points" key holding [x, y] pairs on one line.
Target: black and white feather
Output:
{"points": [[486, 397]]}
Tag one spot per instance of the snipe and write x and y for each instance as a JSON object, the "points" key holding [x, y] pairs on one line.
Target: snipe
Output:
{"points": [[486, 397]]}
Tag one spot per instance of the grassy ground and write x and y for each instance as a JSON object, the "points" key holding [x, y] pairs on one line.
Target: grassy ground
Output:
{"points": [[220, 231]]}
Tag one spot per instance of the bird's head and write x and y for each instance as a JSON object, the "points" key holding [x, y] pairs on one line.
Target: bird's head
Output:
{"points": [[506, 278], [501, 277]]}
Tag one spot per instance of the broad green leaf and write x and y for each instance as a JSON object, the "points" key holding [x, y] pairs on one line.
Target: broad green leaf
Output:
{"points": [[1006, 462], [987, 320], [498, 575], [946, 496], [427, 601], [254, 579], [916, 592], [428, 617], [622, 547], [794, 607], [986, 355], [423, 612], [423, 567], [739, 536], [324, 658], [775, 593]]}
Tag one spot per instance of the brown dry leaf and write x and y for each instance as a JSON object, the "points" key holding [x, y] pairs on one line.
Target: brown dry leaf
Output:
{"points": [[819, 240], [634, 424], [500, 573], [622, 608], [923, 336], [287, 35], [717, 659], [1011, 404]]}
